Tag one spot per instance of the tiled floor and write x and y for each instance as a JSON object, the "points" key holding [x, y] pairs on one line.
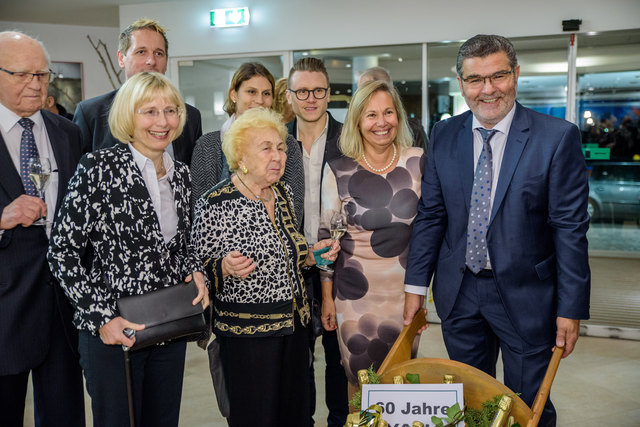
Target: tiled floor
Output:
{"points": [[598, 385]]}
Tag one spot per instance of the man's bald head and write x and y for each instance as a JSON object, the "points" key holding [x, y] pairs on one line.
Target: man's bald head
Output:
{"points": [[22, 56]]}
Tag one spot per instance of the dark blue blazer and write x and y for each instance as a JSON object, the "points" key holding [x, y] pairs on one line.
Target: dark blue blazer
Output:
{"points": [[29, 295], [537, 234], [92, 116]]}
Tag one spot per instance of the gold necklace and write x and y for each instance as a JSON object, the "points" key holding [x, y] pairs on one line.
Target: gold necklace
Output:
{"points": [[262, 199], [393, 159]]}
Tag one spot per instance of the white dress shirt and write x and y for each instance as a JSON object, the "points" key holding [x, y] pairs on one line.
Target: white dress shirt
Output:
{"points": [[160, 191], [498, 143], [12, 135], [312, 162]]}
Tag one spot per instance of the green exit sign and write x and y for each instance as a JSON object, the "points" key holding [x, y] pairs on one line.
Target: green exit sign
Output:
{"points": [[596, 153], [225, 18]]}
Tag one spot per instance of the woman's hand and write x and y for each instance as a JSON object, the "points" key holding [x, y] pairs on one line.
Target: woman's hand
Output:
{"points": [[111, 332], [331, 255], [237, 265], [203, 292], [329, 314]]}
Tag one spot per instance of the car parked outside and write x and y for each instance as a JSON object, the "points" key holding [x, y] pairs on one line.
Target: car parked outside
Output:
{"points": [[614, 191]]}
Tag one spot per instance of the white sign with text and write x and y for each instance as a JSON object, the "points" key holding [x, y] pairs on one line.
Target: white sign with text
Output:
{"points": [[403, 404]]}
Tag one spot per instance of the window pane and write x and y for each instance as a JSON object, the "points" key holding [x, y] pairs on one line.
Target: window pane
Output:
{"points": [[204, 83], [608, 107]]}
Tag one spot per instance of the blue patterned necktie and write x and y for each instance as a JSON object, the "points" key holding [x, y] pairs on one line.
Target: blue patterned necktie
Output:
{"points": [[480, 206], [28, 150]]}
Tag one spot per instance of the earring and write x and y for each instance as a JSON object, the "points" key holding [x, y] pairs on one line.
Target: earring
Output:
{"points": [[244, 169]]}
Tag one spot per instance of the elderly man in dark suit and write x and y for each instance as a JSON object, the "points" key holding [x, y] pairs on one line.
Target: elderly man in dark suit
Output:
{"points": [[143, 46], [36, 335], [502, 224]]}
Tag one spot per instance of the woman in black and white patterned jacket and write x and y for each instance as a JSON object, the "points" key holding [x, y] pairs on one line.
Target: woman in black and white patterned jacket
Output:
{"points": [[130, 206]]}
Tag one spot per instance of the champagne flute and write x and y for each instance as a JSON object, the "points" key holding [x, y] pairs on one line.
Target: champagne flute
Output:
{"points": [[338, 226], [39, 172]]}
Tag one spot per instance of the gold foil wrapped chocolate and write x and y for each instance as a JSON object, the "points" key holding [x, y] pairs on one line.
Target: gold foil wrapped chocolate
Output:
{"points": [[398, 379], [501, 418], [417, 424], [363, 377], [353, 420], [448, 379]]}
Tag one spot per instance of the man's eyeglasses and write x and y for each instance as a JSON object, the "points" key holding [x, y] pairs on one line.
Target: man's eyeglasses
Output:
{"points": [[303, 94], [22, 77], [495, 79], [169, 112]]}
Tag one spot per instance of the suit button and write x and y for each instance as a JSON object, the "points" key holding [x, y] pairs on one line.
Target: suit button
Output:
{"points": [[164, 255], [165, 281], [461, 270]]}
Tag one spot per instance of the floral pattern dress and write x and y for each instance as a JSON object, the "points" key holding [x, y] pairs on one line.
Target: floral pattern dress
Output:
{"points": [[368, 282]]}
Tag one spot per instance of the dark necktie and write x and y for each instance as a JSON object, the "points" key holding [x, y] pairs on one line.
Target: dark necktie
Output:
{"points": [[480, 206], [28, 150]]}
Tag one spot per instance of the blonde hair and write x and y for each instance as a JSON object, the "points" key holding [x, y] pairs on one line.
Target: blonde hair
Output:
{"points": [[280, 97], [139, 89], [234, 140], [351, 142]]}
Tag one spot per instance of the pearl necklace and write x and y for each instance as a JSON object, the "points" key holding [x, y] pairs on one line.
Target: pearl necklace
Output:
{"points": [[262, 199], [393, 159]]}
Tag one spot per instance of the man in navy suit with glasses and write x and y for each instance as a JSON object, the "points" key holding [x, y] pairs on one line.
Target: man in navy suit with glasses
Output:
{"points": [[501, 227]]}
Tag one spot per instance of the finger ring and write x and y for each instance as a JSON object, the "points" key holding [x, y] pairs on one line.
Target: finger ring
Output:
{"points": [[235, 275]]}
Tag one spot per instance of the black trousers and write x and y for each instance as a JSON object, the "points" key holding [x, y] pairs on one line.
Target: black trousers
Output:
{"points": [[267, 379], [336, 395], [58, 392], [156, 372]]}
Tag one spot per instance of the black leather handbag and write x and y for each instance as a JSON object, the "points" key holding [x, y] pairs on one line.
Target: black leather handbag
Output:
{"points": [[167, 314]]}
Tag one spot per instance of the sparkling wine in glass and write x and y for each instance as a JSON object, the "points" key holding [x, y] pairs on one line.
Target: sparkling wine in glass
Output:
{"points": [[337, 227], [39, 172]]}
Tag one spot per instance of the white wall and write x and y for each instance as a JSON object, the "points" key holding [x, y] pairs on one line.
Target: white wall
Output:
{"points": [[70, 43], [306, 24]]}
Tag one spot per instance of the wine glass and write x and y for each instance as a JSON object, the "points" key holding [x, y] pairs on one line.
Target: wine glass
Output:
{"points": [[337, 226], [39, 173]]}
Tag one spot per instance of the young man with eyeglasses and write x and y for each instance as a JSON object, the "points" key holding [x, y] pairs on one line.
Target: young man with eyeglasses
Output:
{"points": [[142, 46], [318, 133], [507, 246], [37, 336]]}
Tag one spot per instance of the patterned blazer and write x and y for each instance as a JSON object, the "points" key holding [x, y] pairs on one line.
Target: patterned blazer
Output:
{"points": [[108, 207]]}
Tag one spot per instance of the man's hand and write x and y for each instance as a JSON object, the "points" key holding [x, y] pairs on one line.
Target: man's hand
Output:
{"points": [[413, 303], [567, 334], [22, 211]]}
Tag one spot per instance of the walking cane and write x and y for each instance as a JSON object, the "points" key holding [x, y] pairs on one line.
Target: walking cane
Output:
{"points": [[127, 370]]}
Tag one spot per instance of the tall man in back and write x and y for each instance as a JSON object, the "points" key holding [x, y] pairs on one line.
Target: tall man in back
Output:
{"points": [[502, 222], [36, 333], [318, 133], [142, 46]]}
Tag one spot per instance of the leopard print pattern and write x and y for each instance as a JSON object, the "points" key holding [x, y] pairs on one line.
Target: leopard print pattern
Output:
{"points": [[226, 221]]}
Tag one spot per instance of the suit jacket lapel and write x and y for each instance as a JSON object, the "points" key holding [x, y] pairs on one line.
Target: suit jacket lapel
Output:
{"points": [[9, 177], [464, 157], [516, 141]]}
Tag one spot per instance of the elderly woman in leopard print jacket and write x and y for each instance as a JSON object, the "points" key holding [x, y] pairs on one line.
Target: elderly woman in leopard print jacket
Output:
{"points": [[129, 206], [245, 233]]}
